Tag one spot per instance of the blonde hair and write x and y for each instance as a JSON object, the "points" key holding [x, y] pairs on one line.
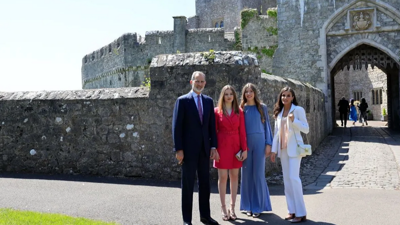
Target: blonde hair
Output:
{"points": [[256, 99], [221, 101]]}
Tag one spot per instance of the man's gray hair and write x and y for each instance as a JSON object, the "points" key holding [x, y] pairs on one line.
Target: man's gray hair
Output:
{"points": [[197, 73]]}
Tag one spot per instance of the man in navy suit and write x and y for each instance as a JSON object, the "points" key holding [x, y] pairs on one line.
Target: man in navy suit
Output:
{"points": [[195, 143]]}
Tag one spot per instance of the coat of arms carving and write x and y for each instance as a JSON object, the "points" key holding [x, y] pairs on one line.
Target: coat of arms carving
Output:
{"points": [[361, 20]]}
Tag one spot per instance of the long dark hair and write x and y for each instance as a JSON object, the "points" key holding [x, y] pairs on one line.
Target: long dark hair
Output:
{"points": [[256, 99], [221, 101], [279, 105]]}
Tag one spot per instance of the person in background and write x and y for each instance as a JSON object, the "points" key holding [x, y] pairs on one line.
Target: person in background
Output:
{"points": [[353, 112], [231, 136], [343, 110], [290, 120], [363, 111], [254, 191]]}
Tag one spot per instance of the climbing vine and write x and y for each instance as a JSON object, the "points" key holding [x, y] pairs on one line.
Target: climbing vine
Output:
{"points": [[247, 15], [238, 40]]}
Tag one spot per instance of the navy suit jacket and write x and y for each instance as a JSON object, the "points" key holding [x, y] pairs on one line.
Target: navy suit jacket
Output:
{"points": [[188, 132]]}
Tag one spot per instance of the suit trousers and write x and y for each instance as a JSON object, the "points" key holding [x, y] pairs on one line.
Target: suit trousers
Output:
{"points": [[201, 164], [293, 185], [343, 116]]}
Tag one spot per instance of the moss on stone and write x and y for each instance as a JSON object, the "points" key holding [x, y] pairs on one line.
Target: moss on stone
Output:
{"points": [[264, 71], [247, 15], [272, 13], [272, 30], [270, 51], [238, 40], [209, 56]]}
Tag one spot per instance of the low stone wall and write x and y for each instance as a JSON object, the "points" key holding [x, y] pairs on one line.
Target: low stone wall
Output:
{"points": [[127, 131]]}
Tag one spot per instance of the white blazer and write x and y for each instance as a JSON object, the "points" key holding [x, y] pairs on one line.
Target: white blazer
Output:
{"points": [[299, 124]]}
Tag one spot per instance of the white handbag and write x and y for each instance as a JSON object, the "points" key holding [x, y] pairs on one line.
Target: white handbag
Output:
{"points": [[303, 150]]}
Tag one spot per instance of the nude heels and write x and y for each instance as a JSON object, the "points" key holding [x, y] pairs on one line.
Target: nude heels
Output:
{"points": [[225, 215], [231, 212]]}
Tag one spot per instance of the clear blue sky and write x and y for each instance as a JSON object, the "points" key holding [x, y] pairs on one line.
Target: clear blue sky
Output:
{"points": [[42, 42]]}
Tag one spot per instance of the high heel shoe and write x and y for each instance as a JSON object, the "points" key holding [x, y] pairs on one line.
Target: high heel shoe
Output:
{"points": [[249, 213], [225, 216], [231, 212], [298, 219], [290, 216]]}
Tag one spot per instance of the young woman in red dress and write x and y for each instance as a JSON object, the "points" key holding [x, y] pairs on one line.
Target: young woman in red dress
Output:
{"points": [[231, 136]]}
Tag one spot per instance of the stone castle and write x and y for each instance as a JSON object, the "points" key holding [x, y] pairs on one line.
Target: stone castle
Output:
{"points": [[223, 25], [125, 62], [108, 130]]}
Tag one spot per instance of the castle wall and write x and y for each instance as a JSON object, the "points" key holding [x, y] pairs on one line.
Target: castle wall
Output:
{"points": [[259, 35], [122, 63], [127, 131], [198, 40], [209, 12], [193, 22]]}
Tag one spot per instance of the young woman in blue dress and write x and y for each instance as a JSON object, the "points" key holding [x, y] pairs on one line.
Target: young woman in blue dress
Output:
{"points": [[253, 187]]}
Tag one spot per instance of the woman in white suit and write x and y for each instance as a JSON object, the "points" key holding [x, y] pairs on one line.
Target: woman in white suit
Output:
{"points": [[290, 120]]}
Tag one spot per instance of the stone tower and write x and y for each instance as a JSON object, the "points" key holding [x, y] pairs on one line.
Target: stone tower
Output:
{"points": [[224, 13]]}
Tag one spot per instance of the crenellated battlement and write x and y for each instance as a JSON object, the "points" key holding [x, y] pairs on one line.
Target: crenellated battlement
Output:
{"points": [[112, 48]]}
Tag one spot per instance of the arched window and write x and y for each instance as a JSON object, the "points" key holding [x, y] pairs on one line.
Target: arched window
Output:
{"points": [[221, 24], [216, 25]]}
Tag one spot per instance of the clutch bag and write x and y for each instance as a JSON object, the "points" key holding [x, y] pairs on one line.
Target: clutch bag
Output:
{"points": [[239, 154], [304, 150]]}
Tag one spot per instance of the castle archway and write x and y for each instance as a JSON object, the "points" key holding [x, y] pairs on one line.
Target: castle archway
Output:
{"points": [[359, 35], [371, 87]]}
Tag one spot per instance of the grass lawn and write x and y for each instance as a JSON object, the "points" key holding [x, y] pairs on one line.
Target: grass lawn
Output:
{"points": [[11, 217]]}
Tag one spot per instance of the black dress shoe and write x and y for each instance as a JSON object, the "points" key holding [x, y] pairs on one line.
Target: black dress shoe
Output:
{"points": [[184, 223], [208, 221]]}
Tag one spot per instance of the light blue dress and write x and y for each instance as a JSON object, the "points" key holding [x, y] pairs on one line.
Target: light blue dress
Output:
{"points": [[253, 186]]}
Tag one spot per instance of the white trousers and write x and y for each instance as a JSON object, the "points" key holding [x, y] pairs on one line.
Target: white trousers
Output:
{"points": [[292, 182]]}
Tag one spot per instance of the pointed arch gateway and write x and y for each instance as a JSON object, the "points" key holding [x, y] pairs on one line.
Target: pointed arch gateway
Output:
{"points": [[358, 35]]}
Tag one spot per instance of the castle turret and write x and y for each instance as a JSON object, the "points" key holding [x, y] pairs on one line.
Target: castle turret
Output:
{"points": [[179, 34]]}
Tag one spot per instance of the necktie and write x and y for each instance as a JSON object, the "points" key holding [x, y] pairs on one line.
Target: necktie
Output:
{"points": [[199, 108]]}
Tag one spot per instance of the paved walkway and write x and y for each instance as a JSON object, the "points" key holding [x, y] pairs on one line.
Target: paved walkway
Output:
{"points": [[366, 157], [352, 178]]}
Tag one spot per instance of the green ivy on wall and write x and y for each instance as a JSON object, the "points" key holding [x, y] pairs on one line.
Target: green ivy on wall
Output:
{"points": [[272, 13], [247, 15], [238, 40], [270, 51]]}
